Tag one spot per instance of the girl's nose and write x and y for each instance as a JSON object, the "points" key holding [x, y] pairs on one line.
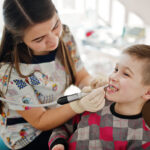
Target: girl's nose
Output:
{"points": [[51, 38]]}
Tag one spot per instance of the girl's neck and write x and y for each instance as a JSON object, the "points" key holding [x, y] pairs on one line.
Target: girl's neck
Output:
{"points": [[128, 108]]}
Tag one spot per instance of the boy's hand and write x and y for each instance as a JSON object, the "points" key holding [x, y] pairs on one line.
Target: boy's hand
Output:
{"points": [[58, 147]]}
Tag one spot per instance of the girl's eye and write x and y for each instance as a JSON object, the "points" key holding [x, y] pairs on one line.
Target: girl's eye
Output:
{"points": [[57, 24], [55, 27], [39, 40]]}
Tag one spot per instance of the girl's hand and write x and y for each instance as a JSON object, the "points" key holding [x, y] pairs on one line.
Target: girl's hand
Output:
{"points": [[58, 147], [93, 102], [99, 81]]}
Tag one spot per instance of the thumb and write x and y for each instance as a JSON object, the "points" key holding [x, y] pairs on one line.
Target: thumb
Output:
{"points": [[86, 89]]}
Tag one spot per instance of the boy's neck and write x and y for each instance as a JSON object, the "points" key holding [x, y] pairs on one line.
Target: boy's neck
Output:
{"points": [[128, 109]]}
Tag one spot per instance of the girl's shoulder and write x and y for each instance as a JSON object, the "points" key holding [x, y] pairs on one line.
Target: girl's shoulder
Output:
{"points": [[66, 28], [4, 66], [67, 35]]}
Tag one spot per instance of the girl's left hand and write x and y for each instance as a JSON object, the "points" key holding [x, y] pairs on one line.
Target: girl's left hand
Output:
{"points": [[58, 147], [99, 81]]}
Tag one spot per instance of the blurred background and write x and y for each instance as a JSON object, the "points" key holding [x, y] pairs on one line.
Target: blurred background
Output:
{"points": [[102, 29]]}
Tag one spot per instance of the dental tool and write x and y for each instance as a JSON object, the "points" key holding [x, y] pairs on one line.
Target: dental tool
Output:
{"points": [[62, 100]]}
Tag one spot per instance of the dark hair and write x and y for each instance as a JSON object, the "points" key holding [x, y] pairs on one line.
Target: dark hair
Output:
{"points": [[19, 15], [141, 52]]}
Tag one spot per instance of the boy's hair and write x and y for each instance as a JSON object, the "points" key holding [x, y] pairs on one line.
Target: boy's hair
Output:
{"points": [[141, 52]]}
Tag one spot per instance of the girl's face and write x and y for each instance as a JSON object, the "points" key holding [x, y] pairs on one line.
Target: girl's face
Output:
{"points": [[125, 83], [44, 37]]}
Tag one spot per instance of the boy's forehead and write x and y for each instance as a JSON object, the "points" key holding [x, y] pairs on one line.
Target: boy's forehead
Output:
{"points": [[128, 59], [131, 62], [125, 59]]}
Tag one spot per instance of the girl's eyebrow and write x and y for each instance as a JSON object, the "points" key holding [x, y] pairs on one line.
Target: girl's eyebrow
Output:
{"points": [[45, 35], [38, 38], [56, 24]]}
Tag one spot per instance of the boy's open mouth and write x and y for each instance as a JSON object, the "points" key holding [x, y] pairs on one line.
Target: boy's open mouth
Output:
{"points": [[112, 88]]}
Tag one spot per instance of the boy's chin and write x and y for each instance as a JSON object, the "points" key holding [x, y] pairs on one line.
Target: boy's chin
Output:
{"points": [[109, 98]]}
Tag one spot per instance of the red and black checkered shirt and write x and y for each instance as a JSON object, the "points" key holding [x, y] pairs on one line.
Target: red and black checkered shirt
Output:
{"points": [[104, 130]]}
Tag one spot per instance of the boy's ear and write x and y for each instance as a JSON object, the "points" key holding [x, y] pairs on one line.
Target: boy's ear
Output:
{"points": [[147, 95]]}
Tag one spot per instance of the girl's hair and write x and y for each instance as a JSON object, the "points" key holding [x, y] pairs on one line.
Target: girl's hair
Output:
{"points": [[141, 52], [18, 16]]}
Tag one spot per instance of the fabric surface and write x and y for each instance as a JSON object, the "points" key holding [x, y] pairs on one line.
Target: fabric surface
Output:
{"points": [[46, 85], [105, 130]]}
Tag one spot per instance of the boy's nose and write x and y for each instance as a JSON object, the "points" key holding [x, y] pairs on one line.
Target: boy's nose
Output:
{"points": [[114, 77]]}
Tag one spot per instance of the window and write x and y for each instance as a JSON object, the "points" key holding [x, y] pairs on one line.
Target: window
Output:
{"points": [[134, 20], [104, 9], [118, 17]]}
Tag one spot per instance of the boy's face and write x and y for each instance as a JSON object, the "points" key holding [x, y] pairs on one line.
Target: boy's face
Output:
{"points": [[125, 83]]}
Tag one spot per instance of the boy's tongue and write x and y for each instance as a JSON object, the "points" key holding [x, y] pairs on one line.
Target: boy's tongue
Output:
{"points": [[112, 88]]}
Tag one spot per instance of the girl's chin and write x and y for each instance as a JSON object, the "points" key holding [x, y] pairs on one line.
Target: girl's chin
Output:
{"points": [[52, 48]]}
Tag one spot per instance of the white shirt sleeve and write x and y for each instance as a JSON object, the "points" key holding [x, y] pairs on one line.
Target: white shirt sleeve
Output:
{"points": [[72, 47]]}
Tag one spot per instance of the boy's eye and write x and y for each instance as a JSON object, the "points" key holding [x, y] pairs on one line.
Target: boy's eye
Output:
{"points": [[116, 70], [126, 74]]}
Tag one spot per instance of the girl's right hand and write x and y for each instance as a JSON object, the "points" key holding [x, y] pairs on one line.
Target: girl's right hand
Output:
{"points": [[58, 147], [92, 102]]}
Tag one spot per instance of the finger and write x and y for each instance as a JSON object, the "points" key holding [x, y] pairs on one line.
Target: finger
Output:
{"points": [[96, 108], [86, 89], [96, 92], [93, 83], [99, 84], [89, 96], [94, 103], [58, 147], [98, 101], [99, 107]]}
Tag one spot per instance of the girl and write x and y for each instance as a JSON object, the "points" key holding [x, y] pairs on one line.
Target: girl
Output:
{"points": [[38, 61]]}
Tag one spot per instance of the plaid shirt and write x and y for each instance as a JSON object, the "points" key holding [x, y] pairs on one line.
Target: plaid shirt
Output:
{"points": [[104, 130]]}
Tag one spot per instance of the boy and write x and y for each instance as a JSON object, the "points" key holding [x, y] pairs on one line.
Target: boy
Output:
{"points": [[119, 125]]}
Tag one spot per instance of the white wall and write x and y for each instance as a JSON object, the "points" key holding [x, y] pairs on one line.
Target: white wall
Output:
{"points": [[140, 7]]}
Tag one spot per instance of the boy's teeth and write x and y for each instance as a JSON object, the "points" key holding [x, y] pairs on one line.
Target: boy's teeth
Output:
{"points": [[112, 88]]}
